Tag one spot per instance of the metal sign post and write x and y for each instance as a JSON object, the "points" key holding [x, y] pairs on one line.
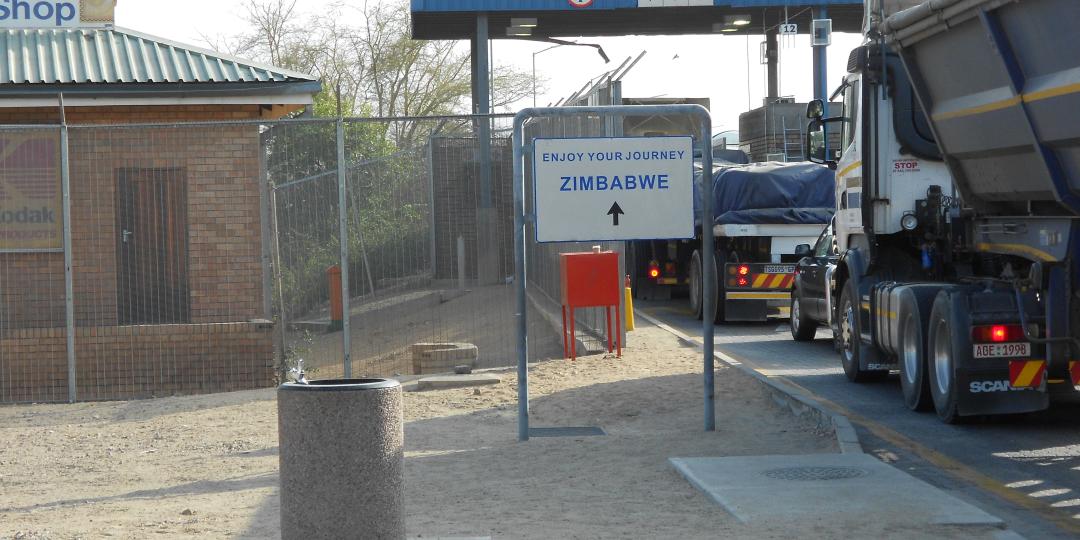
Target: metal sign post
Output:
{"points": [[618, 217]]}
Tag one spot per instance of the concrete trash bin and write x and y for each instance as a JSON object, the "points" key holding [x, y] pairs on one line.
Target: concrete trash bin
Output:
{"points": [[341, 459]]}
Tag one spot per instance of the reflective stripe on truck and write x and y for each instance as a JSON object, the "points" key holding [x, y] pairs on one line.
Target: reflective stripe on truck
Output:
{"points": [[1026, 373], [756, 278]]}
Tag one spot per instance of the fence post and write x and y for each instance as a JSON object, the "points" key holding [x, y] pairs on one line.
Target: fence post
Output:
{"points": [[343, 226], [283, 314], [461, 262], [69, 285], [432, 245], [264, 227]]}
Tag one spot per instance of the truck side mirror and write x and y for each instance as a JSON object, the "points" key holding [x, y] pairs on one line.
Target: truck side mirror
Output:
{"points": [[815, 109], [815, 141], [803, 250]]}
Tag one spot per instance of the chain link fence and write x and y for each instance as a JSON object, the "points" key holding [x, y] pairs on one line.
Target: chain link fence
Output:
{"points": [[208, 257]]}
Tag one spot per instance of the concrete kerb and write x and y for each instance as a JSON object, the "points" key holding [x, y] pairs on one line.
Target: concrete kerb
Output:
{"points": [[796, 399]]}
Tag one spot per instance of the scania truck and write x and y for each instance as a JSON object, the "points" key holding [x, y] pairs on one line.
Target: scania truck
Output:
{"points": [[958, 204]]}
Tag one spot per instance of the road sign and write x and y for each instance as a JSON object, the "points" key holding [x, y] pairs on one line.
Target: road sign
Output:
{"points": [[625, 188]]}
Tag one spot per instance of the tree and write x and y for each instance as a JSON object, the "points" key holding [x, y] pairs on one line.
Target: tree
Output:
{"points": [[368, 68], [375, 64]]}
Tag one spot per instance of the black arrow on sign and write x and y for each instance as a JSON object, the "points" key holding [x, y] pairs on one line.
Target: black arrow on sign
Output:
{"points": [[614, 212]]}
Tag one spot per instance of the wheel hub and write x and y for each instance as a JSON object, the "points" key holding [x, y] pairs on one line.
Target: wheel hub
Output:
{"points": [[943, 357], [911, 352], [847, 325]]}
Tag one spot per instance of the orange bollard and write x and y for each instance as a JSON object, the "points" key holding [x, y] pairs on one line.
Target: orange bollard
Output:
{"points": [[333, 278]]}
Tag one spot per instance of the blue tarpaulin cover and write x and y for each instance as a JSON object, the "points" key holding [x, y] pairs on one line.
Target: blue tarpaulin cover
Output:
{"points": [[771, 193]]}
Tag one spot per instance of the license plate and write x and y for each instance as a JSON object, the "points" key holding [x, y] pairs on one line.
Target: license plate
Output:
{"points": [[1002, 350], [779, 269]]}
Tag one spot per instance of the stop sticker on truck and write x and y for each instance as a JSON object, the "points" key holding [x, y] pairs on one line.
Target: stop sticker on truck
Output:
{"points": [[905, 165]]}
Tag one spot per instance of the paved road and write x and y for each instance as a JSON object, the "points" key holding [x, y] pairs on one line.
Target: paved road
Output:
{"points": [[1024, 468]]}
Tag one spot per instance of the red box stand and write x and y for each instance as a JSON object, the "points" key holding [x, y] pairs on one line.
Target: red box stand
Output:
{"points": [[590, 280]]}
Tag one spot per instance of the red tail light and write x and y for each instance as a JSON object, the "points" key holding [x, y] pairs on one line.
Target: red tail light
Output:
{"points": [[998, 333], [654, 271], [744, 270], [743, 282]]}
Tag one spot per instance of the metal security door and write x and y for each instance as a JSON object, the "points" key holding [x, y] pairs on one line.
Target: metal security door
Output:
{"points": [[152, 247]]}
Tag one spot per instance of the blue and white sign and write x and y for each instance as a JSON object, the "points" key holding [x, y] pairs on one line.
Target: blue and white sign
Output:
{"points": [[625, 188], [56, 13]]}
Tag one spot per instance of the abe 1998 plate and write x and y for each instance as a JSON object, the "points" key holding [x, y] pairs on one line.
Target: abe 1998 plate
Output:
{"points": [[1002, 350]]}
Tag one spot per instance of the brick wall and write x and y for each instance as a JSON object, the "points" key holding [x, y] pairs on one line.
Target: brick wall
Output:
{"points": [[131, 362], [129, 114], [221, 168]]}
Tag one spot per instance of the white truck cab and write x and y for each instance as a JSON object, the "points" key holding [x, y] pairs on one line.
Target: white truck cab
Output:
{"points": [[903, 177]]}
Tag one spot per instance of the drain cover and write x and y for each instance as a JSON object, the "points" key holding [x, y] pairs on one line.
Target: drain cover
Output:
{"points": [[813, 474]]}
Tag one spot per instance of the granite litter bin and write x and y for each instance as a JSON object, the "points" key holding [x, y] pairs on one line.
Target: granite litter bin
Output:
{"points": [[341, 459]]}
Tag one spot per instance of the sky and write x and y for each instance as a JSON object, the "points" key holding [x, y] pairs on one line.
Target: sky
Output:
{"points": [[724, 69]]}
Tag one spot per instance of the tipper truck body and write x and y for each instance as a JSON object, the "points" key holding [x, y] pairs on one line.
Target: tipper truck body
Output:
{"points": [[958, 204]]}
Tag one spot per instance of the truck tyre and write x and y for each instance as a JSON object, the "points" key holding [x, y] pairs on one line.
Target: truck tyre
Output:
{"points": [[696, 302], [697, 289], [637, 262], [851, 338], [943, 354], [912, 351], [803, 328]]}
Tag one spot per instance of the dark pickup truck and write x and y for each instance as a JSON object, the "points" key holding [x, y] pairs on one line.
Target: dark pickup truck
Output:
{"points": [[809, 299]]}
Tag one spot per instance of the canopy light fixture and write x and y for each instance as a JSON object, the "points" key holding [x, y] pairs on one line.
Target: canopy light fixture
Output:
{"points": [[737, 20], [518, 31], [525, 22]]}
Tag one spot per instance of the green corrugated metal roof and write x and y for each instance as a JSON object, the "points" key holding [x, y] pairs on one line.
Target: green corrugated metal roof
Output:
{"points": [[117, 55]]}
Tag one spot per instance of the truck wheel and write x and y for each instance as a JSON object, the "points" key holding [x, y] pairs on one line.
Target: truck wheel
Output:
{"points": [[637, 265], [696, 288], [942, 361], [802, 327], [912, 347], [851, 338]]}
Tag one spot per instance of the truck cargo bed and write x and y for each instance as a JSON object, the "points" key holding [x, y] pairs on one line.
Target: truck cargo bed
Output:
{"points": [[1000, 81], [772, 194]]}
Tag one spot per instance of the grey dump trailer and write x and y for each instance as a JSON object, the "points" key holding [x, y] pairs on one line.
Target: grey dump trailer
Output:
{"points": [[958, 191]]}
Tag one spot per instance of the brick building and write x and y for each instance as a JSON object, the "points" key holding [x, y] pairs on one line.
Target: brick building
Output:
{"points": [[166, 217]]}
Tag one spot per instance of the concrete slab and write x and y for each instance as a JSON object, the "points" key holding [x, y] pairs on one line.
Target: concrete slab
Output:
{"points": [[444, 382], [762, 488]]}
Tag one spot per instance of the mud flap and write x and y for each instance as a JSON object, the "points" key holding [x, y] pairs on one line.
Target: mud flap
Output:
{"points": [[746, 310], [988, 391], [986, 385]]}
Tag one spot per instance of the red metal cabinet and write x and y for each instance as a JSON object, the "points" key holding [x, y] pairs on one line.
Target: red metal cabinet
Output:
{"points": [[590, 279]]}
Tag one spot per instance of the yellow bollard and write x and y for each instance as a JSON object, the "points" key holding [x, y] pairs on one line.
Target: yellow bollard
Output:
{"points": [[629, 306]]}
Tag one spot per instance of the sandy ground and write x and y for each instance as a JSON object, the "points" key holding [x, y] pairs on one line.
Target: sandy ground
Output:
{"points": [[207, 465]]}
